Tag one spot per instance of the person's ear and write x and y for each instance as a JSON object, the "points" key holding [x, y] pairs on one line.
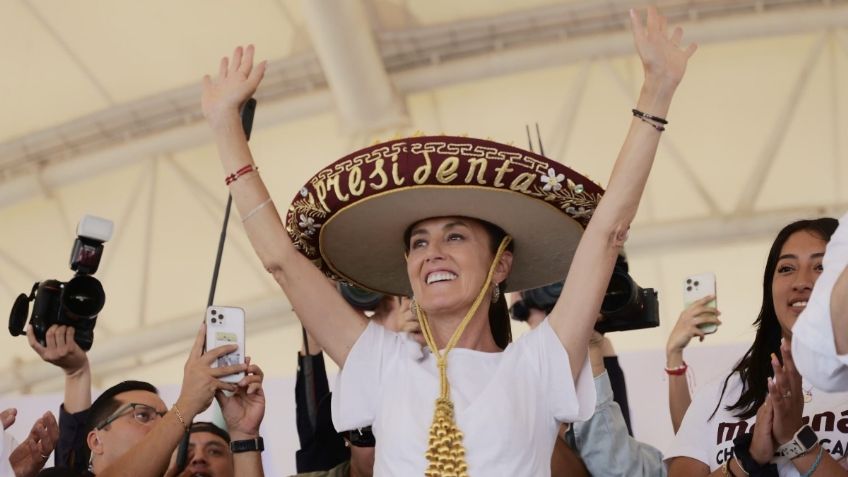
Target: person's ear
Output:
{"points": [[95, 445], [503, 267]]}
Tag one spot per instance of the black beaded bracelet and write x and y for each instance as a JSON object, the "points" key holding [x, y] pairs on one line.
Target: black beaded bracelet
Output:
{"points": [[656, 119]]}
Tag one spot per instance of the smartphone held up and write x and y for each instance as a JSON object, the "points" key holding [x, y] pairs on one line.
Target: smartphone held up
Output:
{"points": [[225, 326], [696, 287]]}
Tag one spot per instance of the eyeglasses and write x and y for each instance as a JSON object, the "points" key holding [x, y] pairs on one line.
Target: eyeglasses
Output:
{"points": [[142, 413]]}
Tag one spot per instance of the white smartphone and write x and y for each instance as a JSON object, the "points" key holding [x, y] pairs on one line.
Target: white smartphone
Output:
{"points": [[225, 325], [699, 286]]}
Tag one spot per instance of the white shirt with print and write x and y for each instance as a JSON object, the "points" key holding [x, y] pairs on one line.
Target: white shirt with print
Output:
{"points": [[711, 440]]}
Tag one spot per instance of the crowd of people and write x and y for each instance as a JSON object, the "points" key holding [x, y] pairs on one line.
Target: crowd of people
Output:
{"points": [[431, 381]]}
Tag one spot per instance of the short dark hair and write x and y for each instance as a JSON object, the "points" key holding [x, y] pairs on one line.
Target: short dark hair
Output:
{"points": [[106, 404], [211, 428]]}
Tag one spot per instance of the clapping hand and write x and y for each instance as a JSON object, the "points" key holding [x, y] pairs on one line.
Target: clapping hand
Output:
{"points": [[31, 455], [786, 395]]}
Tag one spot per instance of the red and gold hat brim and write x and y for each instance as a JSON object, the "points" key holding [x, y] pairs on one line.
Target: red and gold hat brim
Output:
{"points": [[350, 218]]}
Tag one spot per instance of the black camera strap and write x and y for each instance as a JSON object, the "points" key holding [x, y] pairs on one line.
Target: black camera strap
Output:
{"points": [[247, 112]]}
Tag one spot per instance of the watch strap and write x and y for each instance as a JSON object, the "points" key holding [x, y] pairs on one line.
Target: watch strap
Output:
{"points": [[248, 445], [801, 443]]}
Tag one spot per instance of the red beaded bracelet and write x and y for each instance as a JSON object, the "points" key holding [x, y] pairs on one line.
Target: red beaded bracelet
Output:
{"points": [[235, 175], [678, 371]]}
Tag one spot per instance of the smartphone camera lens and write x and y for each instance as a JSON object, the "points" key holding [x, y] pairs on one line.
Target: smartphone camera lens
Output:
{"points": [[687, 289], [688, 281], [213, 320], [696, 283], [214, 312]]}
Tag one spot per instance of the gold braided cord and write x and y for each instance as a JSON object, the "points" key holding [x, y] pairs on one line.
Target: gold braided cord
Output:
{"points": [[445, 452]]}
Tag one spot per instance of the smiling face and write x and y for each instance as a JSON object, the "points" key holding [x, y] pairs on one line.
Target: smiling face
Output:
{"points": [[798, 267], [447, 263]]}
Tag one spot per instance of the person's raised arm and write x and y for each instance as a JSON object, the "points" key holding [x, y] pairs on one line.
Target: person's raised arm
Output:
{"points": [[323, 311], [243, 412], [62, 351], [686, 328], [200, 383], [664, 63]]}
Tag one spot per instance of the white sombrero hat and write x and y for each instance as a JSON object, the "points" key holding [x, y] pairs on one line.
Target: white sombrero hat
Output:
{"points": [[350, 218]]}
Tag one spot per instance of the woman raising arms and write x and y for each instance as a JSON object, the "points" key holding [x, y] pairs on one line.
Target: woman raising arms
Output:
{"points": [[449, 221]]}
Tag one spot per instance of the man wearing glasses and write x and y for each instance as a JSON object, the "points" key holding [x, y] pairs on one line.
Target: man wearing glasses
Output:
{"points": [[120, 418], [130, 431]]}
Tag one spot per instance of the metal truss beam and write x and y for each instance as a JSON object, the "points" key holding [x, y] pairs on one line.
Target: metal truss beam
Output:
{"points": [[696, 233], [417, 59]]}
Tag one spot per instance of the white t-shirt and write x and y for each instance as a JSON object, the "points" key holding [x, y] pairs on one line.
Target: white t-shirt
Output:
{"points": [[813, 346], [711, 440], [506, 404]]}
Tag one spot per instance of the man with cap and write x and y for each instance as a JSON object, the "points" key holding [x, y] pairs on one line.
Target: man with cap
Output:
{"points": [[209, 453]]}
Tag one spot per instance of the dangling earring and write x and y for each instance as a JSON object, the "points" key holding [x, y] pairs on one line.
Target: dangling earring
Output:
{"points": [[496, 293]]}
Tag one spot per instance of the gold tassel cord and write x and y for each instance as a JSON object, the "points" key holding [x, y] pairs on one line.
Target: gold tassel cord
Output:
{"points": [[445, 452]]}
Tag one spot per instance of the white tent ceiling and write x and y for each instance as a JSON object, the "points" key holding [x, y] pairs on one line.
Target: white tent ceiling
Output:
{"points": [[102, 117]]}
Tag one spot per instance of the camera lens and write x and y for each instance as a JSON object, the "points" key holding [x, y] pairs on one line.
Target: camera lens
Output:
{"points": [[83, 297], [214, 312], [213, 320]]}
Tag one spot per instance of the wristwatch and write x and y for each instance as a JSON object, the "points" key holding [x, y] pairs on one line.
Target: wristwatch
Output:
{"points": [[803, 440], [248, 445]]}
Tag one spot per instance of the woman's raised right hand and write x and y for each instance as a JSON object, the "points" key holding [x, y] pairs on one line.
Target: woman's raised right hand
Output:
{"points": [[687, 326], [235, 83]]}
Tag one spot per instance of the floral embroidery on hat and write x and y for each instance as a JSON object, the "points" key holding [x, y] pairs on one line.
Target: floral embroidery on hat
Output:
{"points": [[309, 224], [552, 181]]}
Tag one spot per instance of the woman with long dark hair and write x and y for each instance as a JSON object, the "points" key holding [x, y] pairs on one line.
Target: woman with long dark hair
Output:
{"points": [[799, 430]]}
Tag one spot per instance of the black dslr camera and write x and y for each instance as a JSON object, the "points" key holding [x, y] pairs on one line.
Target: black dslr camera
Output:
{"points": [[75, 302], [626, 305]]}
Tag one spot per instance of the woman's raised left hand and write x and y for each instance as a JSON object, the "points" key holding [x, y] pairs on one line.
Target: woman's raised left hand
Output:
{"points": [[663, 58], [786, 396]]}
